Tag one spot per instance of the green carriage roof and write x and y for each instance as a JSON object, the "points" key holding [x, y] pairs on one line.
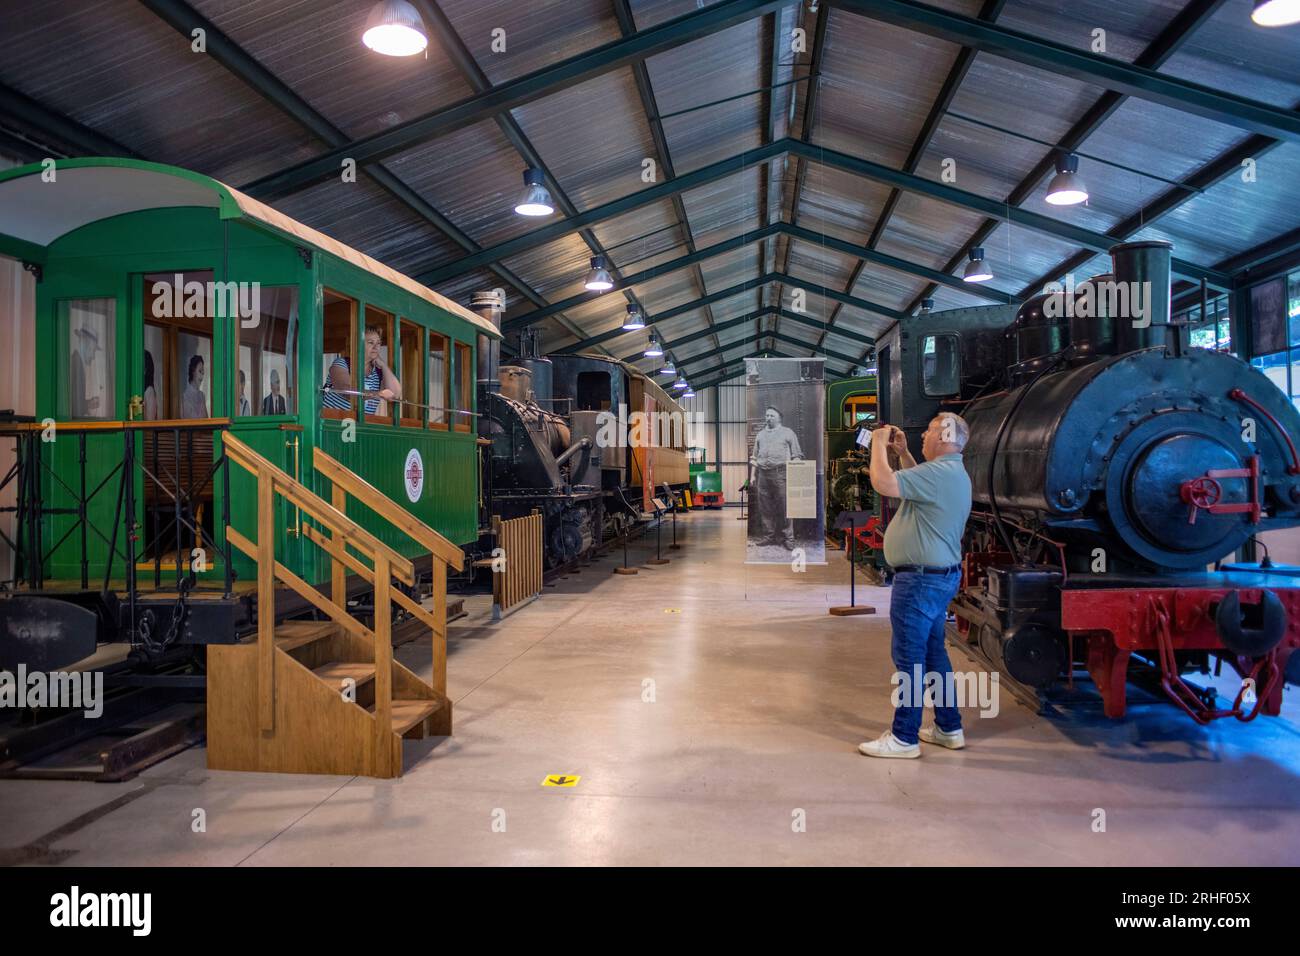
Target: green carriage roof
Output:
{"points": [[36, 213]]}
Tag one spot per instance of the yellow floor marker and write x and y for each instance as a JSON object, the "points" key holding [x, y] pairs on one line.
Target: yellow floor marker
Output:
{"points": [[560, 780]]}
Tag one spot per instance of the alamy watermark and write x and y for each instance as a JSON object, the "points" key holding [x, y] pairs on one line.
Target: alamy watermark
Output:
{"points": [[83, 690], [1121, 300], [647, 429], [921, 688], [196, 300]]}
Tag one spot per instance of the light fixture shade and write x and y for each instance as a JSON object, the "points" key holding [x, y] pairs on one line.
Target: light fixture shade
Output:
{"points": [[668, 368], [689, 393], [1066, 188], [1276, 13], [680, 383], [653, 349], [598, 279], [927, 305], [536, 198], [635, 320], [394, 28], [977, 269]]}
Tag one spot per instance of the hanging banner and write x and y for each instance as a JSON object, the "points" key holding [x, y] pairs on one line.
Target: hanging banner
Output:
{"points": [[787, 470]]}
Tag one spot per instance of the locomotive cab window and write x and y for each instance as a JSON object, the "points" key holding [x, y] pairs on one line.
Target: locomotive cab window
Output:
{"points": [[439, 380], [462, 386], [87, 326], [410, 413], [265, 383], [338, 335], [940, 365], [377, 366]]}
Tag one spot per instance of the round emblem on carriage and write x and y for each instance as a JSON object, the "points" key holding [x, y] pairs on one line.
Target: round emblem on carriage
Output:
{"points": [[413, 475]]}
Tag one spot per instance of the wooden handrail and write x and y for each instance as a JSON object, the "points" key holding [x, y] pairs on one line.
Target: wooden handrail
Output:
{"points": [[386, 507], [317, 507]]}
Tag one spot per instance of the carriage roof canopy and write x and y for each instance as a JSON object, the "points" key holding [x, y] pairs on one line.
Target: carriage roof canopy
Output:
{"points": [[36, 213]]}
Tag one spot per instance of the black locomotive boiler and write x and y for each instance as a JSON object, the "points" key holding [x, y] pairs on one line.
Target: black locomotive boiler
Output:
{"points": [[1111, 466]]}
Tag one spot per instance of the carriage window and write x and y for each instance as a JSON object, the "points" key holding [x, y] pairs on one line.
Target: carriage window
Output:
{"points": [[377, 363], [939, 365], [88, 326], [439, 358], [178, 309], [265, 382], [411, 413], [462, 383], [338, 334]]}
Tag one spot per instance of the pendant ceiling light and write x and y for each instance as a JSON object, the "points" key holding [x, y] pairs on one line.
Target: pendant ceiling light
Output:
{"points": [[653, 350], [394, 28], [668, 368], [536, 198], [689, 393], [1066, 188], [680, 383], [635, 320], [598, 279], [977, 269], [927, 306], [1276, 13]]}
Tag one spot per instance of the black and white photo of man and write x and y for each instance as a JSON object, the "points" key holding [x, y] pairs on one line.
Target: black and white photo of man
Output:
{"points": [[774, 446]]}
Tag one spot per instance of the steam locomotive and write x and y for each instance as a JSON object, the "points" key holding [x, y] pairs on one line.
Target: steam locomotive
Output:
{"points": [[1111, 465], [571, 436]]}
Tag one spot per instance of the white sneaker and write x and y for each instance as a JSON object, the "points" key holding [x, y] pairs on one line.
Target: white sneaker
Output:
{"points": [[953, 741], [887, 745]]}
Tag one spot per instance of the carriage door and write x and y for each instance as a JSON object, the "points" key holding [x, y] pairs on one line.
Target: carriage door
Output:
{"points": [[173, 377]]}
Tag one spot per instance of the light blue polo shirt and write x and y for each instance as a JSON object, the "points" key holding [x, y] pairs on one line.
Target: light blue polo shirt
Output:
{"points": [[929, 525]]}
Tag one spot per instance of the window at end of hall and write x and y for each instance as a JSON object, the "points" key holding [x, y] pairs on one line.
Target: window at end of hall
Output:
{"points": [[463, 388], [266, 383], [439, 379], [1281, 326], [377, 366], [410, 348], [338, 340], [86, 329]]}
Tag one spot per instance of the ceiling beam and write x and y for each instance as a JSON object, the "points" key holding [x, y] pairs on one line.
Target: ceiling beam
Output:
{"points": [[472, 73], [73, 139], [650, 110], [749, 317], [1038, 222], [184, 19], [1166, 43], [514, 93], [1129, 79], [938, 109]]}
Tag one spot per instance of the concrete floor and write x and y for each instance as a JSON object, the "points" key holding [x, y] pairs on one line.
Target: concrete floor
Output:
{"points": [[759, 701]]}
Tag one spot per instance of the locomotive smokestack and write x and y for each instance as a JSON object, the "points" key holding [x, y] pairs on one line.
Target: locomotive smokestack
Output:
{"points": [[488, 306], [1141, 272]]}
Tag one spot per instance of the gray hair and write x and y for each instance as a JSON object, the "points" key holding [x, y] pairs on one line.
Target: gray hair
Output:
{"points": [[955, 425]]}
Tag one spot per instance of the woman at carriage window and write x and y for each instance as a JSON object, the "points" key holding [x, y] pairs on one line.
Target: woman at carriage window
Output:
{"points": [[378, 378], [194, 404], [150, 393]]}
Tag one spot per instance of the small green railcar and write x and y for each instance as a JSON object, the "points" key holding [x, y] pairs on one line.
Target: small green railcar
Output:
{"points": [[165, 296]]}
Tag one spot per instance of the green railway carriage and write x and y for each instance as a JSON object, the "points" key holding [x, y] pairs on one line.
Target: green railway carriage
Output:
{"points": [[166, 296]]}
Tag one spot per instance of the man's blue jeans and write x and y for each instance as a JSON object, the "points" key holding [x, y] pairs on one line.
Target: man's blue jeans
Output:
{"points": [[916, 612]]}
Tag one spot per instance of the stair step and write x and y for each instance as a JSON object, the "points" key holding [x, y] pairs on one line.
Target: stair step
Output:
{"points": [[408, 713], [293, 634], [336, 672]]}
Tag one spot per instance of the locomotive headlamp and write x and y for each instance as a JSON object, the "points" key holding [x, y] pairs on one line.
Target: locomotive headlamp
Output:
{"points": [[977, 270], [1066, 188], [1276, 13], [598, 279], [635, 320], [536, 198], [394, 28]]}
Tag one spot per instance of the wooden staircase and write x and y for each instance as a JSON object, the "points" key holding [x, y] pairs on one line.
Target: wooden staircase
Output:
{"points": [[327, 696]]}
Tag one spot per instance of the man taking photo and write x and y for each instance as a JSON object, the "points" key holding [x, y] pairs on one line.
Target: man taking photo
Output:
{"points": [[923, 546]]}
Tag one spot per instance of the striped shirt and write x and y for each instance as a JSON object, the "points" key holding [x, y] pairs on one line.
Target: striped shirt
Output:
{"points": [[332, 399]]}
